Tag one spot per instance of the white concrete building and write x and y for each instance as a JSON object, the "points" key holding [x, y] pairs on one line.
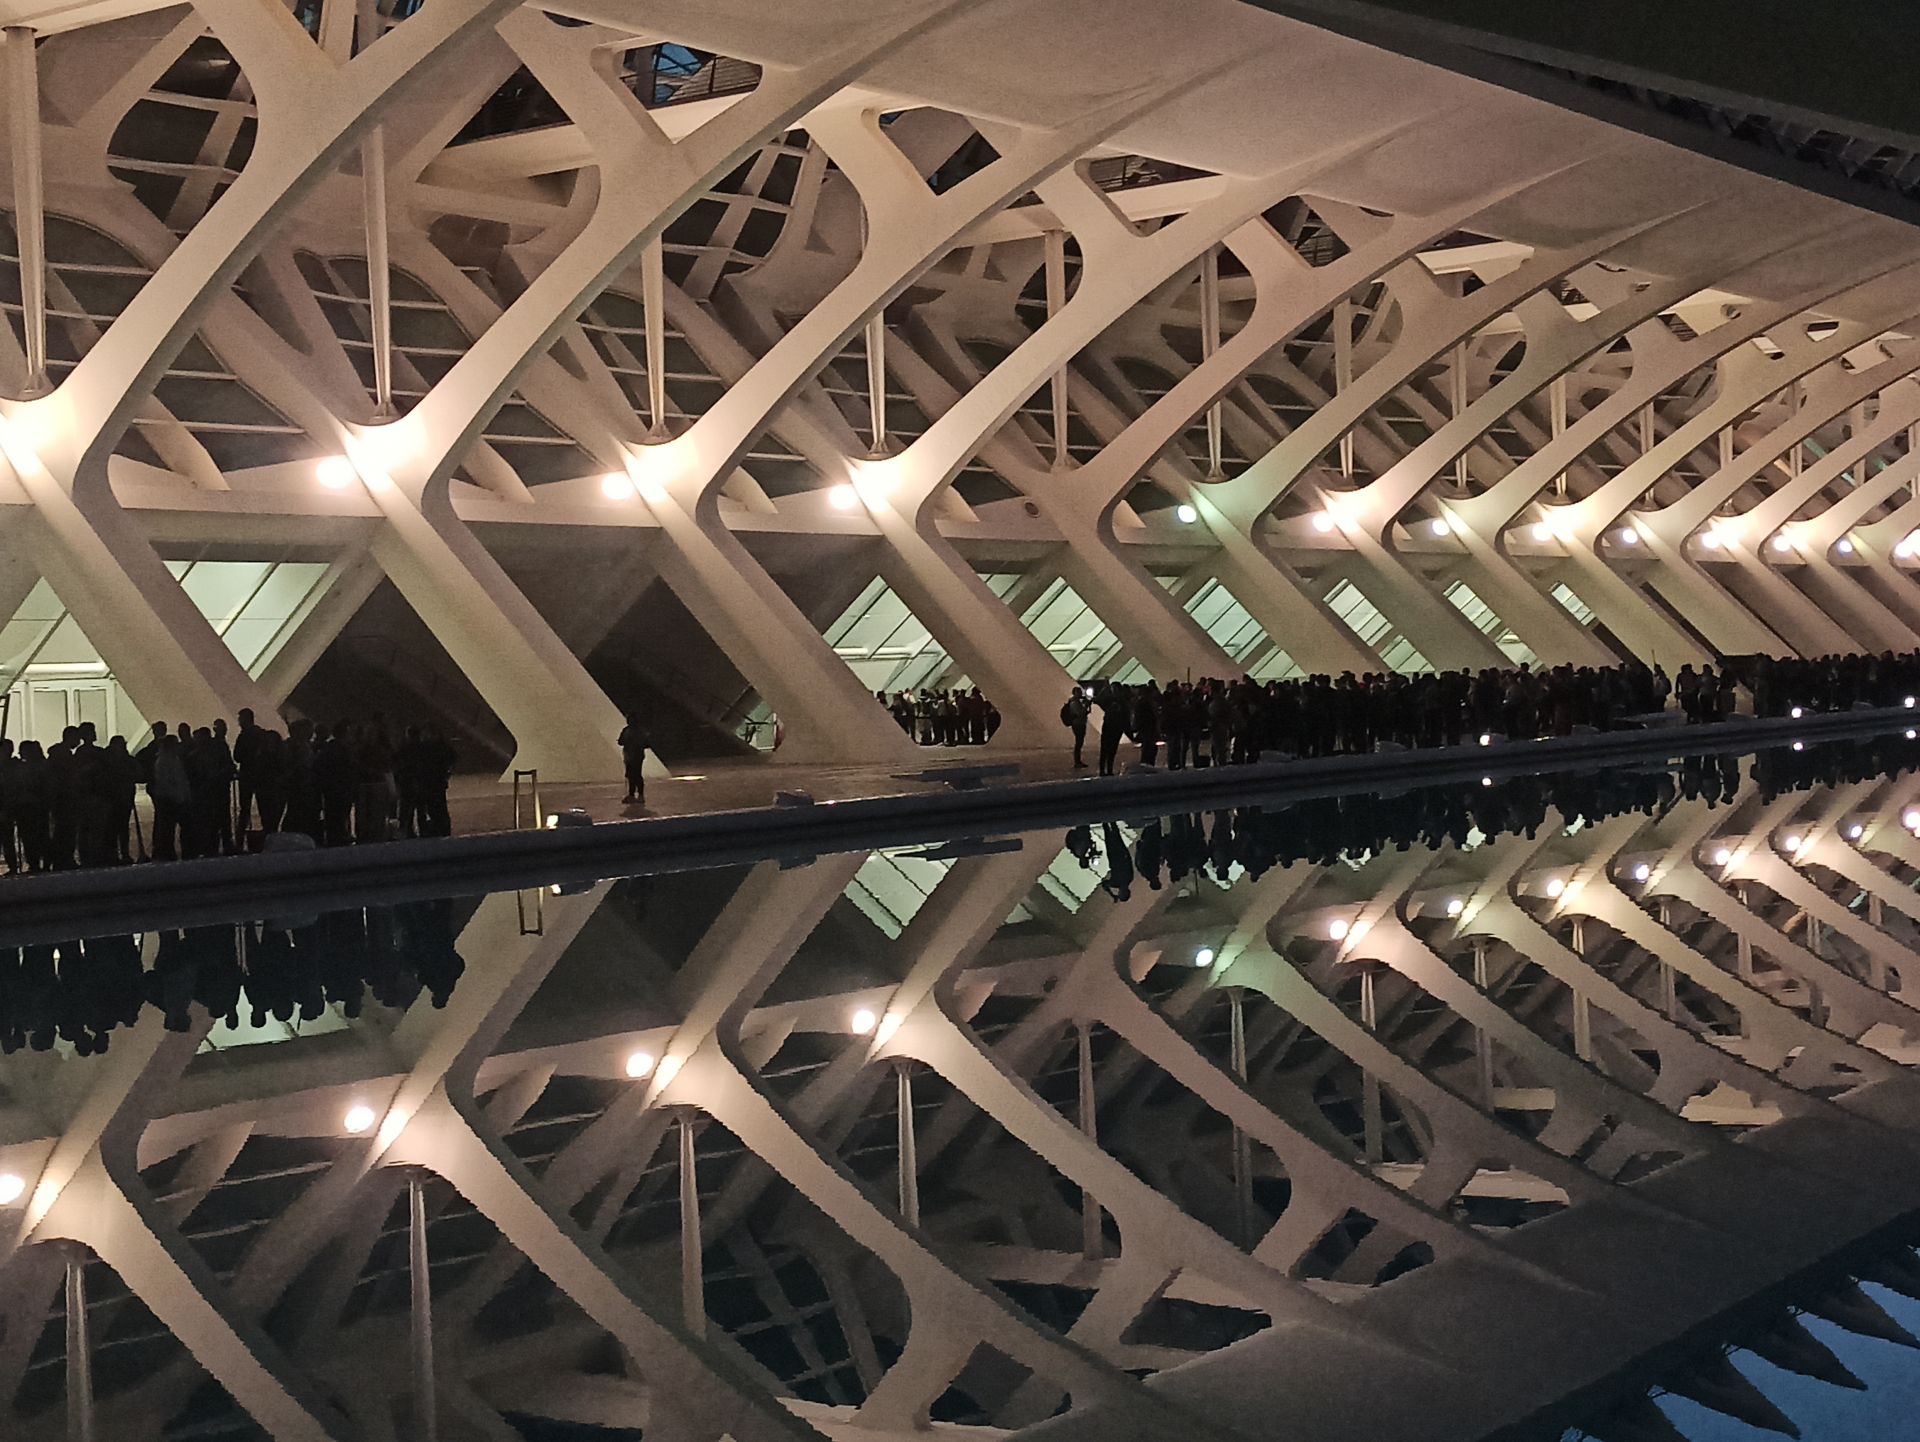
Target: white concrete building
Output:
{"points": [[519, 367]]}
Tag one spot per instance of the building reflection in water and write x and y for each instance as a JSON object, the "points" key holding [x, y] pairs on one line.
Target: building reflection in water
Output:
{"points": [[1446, 1113]]}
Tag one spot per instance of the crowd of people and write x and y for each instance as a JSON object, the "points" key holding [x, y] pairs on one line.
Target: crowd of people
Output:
{"points": [[943, 718], [1217, 722], [213, 792], [291, 971]]}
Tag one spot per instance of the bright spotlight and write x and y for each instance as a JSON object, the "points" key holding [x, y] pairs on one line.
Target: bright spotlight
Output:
{"points": [[358, 1119], [617, 487], [1455, 906], [1338, 930], [1796, 713], [1486, 738], [1542, 532], [1486, 781], [862, 1022], [1203, 957], [1555, 886], [1792, 843], [1710, 540], [1856, 831], [1323, 522], [1844, 546], [1911, 820], [1909, 703], [1186, 514], [1799, 746], [335, 473], [1440, 528], [1906, 548], [1630, 536], [12, 1188], [1642, 872], [842, 498], [640, 1065], [1722, 856], [1781, 543]]}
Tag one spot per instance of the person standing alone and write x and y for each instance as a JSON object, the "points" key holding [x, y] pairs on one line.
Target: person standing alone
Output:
{"points": [[1073, 716], [634, 744]]}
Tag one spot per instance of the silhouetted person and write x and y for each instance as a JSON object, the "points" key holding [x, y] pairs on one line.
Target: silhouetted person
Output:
{"points": [[634, 743], [1073, 715]]}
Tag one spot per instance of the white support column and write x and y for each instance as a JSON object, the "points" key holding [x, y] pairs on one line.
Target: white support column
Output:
{"points": [[79, 1349], [1242, 1144], [1056, 240], [373, 180], [1209, 345], [653, 299], [693, 1285], [1093, 1245], [29, 195], [908, 1160]]}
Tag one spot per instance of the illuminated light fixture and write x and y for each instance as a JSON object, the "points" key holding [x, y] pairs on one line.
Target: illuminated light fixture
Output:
{"points": [[640, 1065], [12, 1188], [1722, 856], [1630, 536], [1203, 957], [1796, 713], [862, 1022], [1338, 929], [1710, 540], [1856, 831], [1323, 522], [1799, 746], [842, 498], [1455, 906], [616, 487], [1781, 543], [1907, 547], [335, 473], [1486, 738], [358, 1119], [1844, 546], [1486, 781], [1642, 872], [1911, 733], [1911, 820], [1792, 843], [1439, 527], [1186, 514], [1909, 703], [1542, 531], [1555, 886], [668, 1069]]}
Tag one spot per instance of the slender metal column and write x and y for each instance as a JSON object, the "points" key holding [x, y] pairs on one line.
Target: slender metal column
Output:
{"points": [[1457, 385], [373, 182], [426, 1408], [693, 1289], [1371, 1111], [29, 196], [1343, 373], [879, 442], [653, 301], [1646, 428], [909, 1157], [1557, 401], [1209, 343], [1482, 1043], [1092, 1242], [79, 1351], [1056, 300], [1242, 1145]]}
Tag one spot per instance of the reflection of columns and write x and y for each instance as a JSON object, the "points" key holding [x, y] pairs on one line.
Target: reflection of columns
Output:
{"points": [[1242, 1146], [79, 1350], [1092, 1244], [1370, 1107], [1669, 985], [1482, 1043], [426, 1411], [29, 196], [653, 299], [909, 1153], [1056, 299], [373, 182], [1582, 1009], [693, 1297]]}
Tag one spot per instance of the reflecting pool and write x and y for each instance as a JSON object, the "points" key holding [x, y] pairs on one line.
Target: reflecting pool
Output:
{"points": [[1552, 1106]]}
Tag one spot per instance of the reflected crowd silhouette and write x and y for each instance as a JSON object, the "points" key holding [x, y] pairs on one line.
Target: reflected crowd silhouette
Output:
{"points": [[288, 971]]}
